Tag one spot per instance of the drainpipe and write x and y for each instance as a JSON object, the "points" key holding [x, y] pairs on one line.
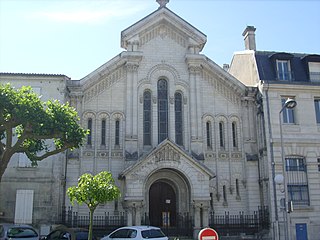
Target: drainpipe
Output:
{"points": [[276, 225], [64, 188]]}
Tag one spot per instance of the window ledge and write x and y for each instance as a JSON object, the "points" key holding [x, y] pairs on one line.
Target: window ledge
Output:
{"points": [[291, 127], [302, 208], [26, 168]]}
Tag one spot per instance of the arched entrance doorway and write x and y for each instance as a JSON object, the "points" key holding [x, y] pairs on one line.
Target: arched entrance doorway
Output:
{"points": [[162, 204]]}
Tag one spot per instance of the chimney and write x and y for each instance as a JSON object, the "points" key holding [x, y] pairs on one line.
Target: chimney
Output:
{"points": [[249, 38], [226, 67]]}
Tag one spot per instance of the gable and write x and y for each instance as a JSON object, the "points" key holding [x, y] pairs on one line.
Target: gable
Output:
{"points": [[162, 22], [167, 155]]}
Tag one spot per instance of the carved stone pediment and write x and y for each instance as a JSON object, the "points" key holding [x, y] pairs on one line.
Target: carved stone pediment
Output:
{"points": [[166, 155], [165, 24]]}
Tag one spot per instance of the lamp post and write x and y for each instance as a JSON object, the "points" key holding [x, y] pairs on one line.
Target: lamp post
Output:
{"points": [[290, 104]]}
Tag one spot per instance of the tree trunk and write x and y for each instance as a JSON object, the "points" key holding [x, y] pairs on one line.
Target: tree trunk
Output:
{"points": [[4, 160], [90, 224]]}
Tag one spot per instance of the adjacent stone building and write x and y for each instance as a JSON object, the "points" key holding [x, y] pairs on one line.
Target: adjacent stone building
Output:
{"points": [[34, 194], [279, 76]]}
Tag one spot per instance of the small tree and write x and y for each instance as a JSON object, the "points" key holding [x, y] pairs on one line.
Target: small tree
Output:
{"points": [[27, 123], [94, 190]]}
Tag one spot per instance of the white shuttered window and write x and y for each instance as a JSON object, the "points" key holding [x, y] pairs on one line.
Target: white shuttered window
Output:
{"points": [[24, 206]]}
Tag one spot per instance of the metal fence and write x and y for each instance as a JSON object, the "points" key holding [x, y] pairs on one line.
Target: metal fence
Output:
{"points": [[106, 223], [233, 225], [226, 225], [183, 225]]}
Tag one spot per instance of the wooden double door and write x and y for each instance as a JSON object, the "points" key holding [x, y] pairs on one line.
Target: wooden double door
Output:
{"points": [[162, 205]]}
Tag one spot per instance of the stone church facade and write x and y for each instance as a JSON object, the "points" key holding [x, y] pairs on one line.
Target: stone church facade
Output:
{"points": [[164, 117]]}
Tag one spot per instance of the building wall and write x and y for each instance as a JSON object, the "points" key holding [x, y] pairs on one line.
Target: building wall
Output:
{"points": [[44, 180], [300, 139]]}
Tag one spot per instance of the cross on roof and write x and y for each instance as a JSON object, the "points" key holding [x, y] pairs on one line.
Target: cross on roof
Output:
{"points": [[162, 3]]}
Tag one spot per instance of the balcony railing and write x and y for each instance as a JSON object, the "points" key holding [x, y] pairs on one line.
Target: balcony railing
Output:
{"points": [[285, 76], [314, 77]]}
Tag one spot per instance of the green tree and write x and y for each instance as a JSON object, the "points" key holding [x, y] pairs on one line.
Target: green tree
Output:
{"points": [[38, 129], [94, 190]]}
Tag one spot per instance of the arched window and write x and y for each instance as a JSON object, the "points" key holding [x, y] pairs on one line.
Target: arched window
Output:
{"points": [[178, 118], [89, 136], [208, 134], [221, 135], [162, 110], [234, 135], [117, 133], [147, 123], [237, 188], [103, 132], [224, 193]]}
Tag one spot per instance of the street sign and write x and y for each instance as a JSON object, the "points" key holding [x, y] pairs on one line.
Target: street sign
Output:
{"points": [[208, 234]]}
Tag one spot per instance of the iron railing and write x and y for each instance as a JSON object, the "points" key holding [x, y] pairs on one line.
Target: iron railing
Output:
{"points": [[248, 224], [107, 222], [226, 224]]}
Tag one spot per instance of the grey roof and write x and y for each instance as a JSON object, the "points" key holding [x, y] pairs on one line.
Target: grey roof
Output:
{"points": [[299, 65], [32, 74]]}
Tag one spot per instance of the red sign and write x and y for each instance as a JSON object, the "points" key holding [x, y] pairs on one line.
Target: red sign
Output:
{"points": [[208, 234]]}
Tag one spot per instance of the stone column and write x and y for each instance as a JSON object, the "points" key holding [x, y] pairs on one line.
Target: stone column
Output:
{"points": [[201, 216], [138, 211], [193, 102], [129, 216], [131, 131], [134, 211], [205, 215], [131, 135], [197, 221], [195, 107]]}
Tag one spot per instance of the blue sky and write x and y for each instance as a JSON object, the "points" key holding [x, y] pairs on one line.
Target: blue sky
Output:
{"points": [[74, 37]]}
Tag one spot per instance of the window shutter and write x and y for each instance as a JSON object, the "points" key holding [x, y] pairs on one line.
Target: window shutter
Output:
{"points": [[24, 207]]}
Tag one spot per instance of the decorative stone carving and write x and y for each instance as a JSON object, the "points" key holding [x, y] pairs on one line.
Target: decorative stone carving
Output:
{"points": [[163, 31], [131, 66], [223, 155], [117, 154], [88, 154], [167, 154], [195, 69], [199, 156], [252, 157], [154, 99], [103, 154], [162, 3], [117, 116], [236, 155], [222, 88], [104, 84], [210, 155], [131, 156]]}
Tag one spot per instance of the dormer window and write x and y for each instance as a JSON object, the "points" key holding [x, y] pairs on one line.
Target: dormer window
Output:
{"points": [[282, 63], [284, 70], [314, 71]]}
